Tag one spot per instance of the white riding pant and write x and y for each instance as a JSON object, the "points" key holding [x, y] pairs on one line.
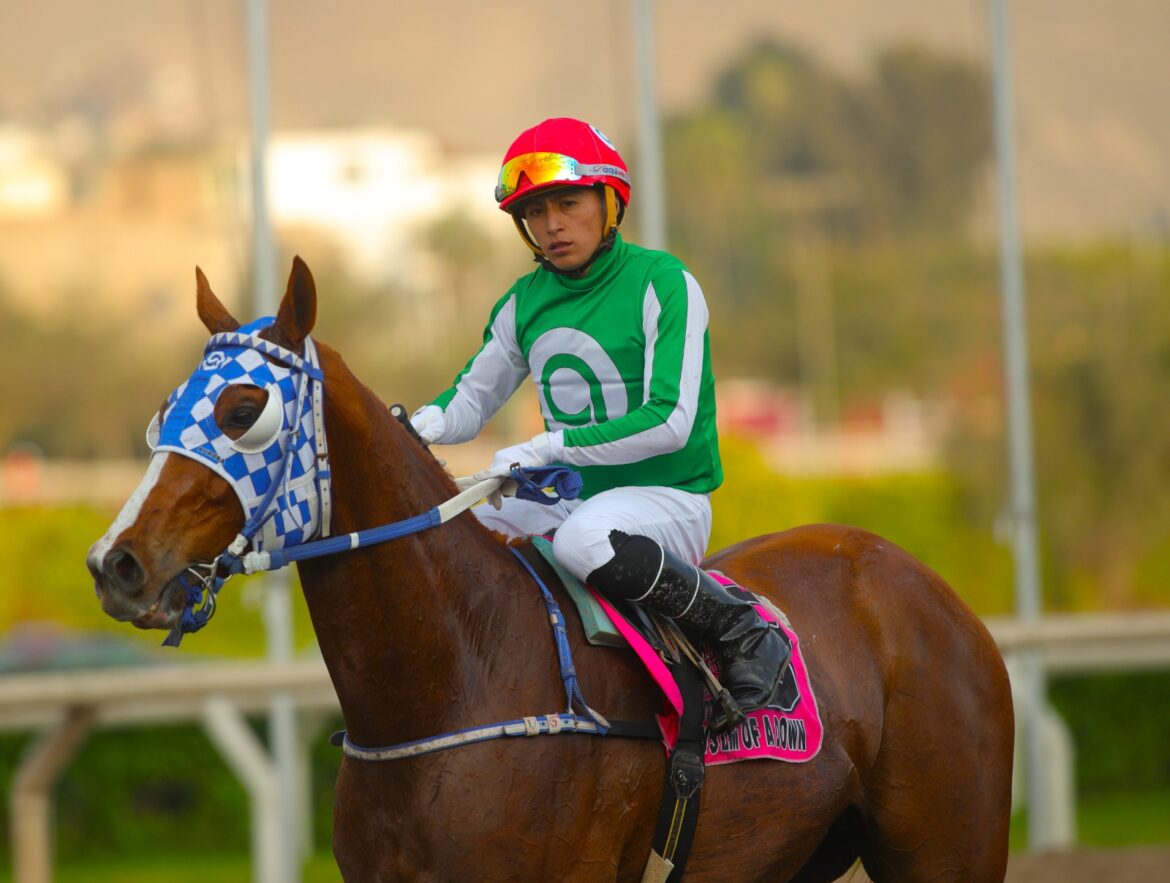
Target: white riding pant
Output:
{"points": [[678, 520]]}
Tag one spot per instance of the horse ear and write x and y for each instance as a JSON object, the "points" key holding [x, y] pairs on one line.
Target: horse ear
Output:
{"points": [[212, 313], [298, 309]]}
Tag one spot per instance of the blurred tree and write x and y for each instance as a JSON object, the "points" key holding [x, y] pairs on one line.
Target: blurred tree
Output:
{"points": [[921, 138], [78, 387], [790, 176], [900, 151], [1100, 332], [465, 287], [1100, 380]]}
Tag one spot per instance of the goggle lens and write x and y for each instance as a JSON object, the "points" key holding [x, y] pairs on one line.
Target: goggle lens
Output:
{"points": [[545, 168]]}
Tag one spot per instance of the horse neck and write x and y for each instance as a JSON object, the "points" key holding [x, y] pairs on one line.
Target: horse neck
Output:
{"points": [[403, 626]]}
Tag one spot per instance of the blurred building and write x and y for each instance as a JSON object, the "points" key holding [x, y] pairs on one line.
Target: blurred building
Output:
{"points": [[32, 184], [897, 433], [132, 226], [374, 191]]}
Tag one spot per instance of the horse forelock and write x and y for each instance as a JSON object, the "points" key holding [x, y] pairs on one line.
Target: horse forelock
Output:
{"points": [[275, 334]]}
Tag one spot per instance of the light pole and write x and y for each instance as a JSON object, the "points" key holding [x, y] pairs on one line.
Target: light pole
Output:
{"points": [[1019, 424], [651, 189], [277, 585]]}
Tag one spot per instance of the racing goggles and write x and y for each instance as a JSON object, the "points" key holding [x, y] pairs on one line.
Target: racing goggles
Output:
{"points": [[549, 168]]}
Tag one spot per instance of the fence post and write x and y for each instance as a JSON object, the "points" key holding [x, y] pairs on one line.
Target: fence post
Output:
{"points": [[1055, 773], [31, 799], [1058, 780], [250, 762]]}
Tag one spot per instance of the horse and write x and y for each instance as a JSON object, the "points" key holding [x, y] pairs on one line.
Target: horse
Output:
{"points": [[443, 630]]}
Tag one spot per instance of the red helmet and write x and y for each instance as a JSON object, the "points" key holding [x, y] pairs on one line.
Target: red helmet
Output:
{"points": [[557, 153]]}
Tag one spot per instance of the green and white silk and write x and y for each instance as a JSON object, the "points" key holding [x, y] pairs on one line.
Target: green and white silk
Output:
{"points": [[621, 364]]}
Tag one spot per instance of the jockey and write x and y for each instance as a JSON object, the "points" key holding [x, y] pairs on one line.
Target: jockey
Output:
{"points": [[615, 339]]}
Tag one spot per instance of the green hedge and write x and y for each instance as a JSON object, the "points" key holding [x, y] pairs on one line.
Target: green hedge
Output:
{"points": [[1120, 729], [924, 513], [159, 790], [163, 789], [45, 585]]}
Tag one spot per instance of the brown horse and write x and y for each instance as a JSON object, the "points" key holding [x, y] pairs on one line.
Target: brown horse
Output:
{"points": [[443, 630]]}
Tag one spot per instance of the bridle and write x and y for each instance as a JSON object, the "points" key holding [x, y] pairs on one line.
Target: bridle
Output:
{"points": [[255, 548], [295, 455], [282, 479]]}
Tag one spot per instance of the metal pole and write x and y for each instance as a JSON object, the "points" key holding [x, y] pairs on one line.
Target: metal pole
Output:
{"points": [[263, 250], [651, 190], [1019, 422], [277, 589]]}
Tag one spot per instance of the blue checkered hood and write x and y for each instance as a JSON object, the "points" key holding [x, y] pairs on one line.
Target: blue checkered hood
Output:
{"points": [[279, 493]]}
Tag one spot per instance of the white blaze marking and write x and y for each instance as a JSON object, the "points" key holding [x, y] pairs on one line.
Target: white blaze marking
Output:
{"points": [[129, 513]]}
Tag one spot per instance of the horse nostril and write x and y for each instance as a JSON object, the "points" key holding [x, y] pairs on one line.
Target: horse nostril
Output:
{"points": [[122, 569]]}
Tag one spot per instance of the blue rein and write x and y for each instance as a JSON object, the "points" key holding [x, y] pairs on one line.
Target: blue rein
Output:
{"points": [[545, 485], [202, 582]]}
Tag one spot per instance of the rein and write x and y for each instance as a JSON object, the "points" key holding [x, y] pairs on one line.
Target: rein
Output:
{"points": [[212, 576], [547, 485]]}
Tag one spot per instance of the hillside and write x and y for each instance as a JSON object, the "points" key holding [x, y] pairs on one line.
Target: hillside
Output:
{"points": [[1090, 74]]}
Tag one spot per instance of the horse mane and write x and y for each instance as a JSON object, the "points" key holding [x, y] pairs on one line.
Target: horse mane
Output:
{"points": [[402, 439], [335, 367]]}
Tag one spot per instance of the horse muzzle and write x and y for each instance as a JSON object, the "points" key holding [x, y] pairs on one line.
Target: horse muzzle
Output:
{"points": [[122, 586]]}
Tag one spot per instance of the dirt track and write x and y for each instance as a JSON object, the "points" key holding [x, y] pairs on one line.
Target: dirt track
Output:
{"points": [[1138, 864], [1131, 865]]}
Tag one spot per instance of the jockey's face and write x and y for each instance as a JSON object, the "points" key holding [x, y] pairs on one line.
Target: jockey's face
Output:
{"points": [[566, 224]]}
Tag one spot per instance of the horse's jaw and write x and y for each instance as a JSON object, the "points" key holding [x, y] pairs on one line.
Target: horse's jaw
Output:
{"points": [[161, 613]]}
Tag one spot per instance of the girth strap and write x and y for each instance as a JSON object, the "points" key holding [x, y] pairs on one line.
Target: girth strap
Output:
{"points": [[679, 814]]}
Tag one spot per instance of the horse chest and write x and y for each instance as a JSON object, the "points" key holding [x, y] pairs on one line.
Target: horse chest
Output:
{"points": [[519, 809]]}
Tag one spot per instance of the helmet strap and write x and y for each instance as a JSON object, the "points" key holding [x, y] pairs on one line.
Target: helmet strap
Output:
{"points": [[615, 210], [522, 228]]}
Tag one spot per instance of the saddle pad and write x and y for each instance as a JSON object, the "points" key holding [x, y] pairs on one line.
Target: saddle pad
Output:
{"points": [[599, 629], [790, 732]]}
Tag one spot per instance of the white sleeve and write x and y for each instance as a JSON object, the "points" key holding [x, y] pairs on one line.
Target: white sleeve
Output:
{"points": [[488, 381]]}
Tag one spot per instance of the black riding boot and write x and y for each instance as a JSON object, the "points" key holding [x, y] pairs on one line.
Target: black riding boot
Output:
{"points": [[752, 654]]}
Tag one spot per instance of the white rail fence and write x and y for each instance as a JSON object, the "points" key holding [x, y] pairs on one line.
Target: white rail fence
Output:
{"points": [[1072, 644], [65, 707]]}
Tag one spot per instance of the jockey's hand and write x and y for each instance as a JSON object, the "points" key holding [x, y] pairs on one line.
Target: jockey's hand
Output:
{"points": [[430, 423], [537, 451]]}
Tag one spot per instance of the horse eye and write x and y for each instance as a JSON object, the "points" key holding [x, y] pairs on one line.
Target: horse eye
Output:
{"points": [[243, 416], [255, 425]]}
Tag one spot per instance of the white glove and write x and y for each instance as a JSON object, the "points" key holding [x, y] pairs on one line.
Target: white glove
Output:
{"points": [[537, 451], [429, 422]]}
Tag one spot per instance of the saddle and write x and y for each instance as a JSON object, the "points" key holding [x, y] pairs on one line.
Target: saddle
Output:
{"points": [[790, 731]]}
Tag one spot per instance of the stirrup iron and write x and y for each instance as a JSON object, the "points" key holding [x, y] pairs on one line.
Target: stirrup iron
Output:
{"points": [[732, 715]]}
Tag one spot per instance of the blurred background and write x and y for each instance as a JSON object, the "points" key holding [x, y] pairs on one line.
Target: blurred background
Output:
{"points": [[829, 177]]}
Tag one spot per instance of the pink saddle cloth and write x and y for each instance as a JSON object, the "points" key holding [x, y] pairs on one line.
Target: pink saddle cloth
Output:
{"points": [[792, 731]]}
